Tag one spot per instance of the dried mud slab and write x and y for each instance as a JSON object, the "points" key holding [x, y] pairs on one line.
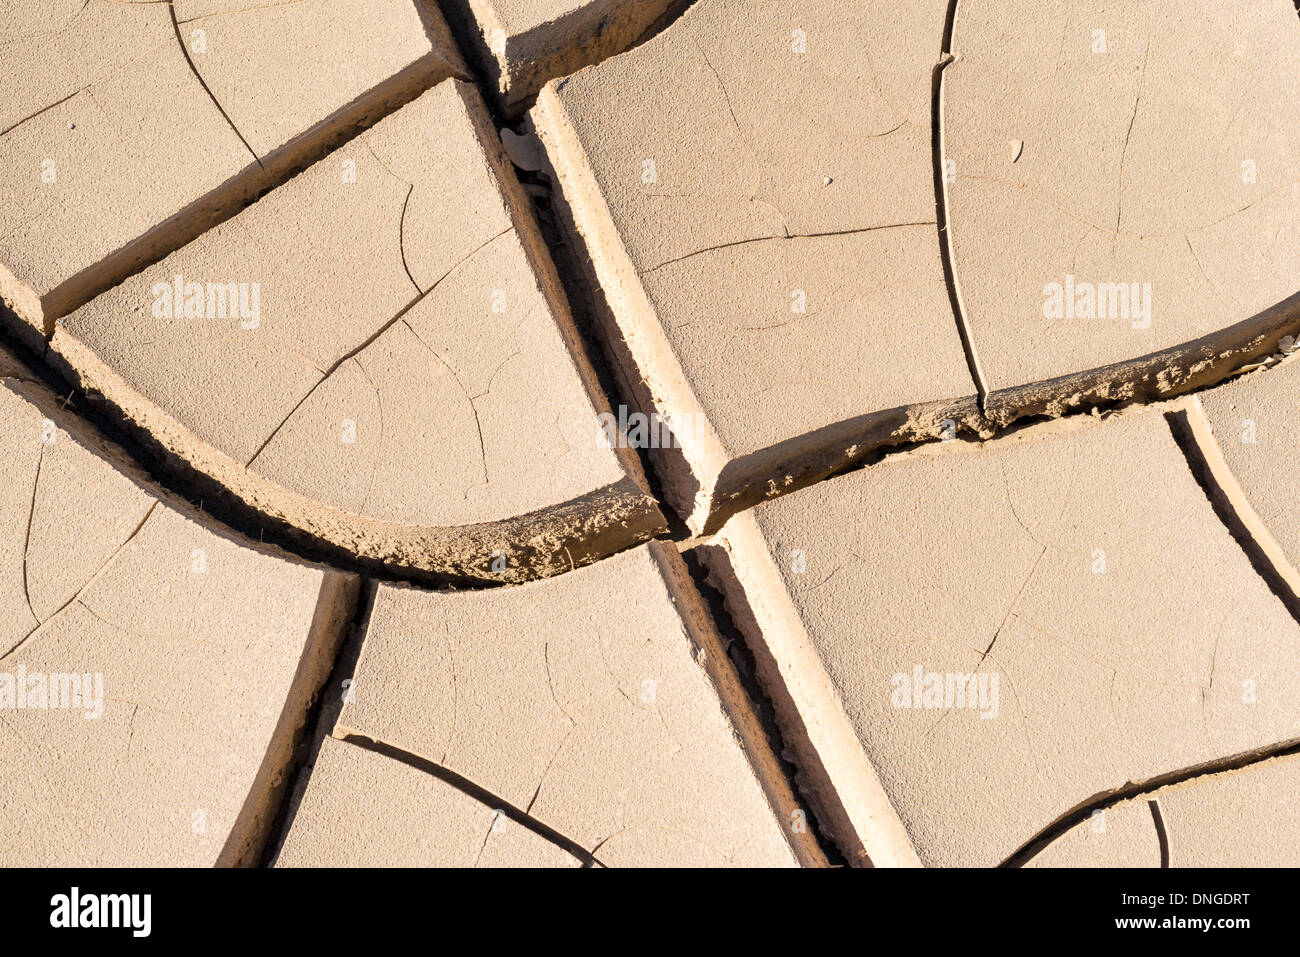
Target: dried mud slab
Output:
{"points": [[377, 355], [767, 244], [282, 70], [1240, 818], [362, 809], [1243, 818], [601, 703], [520, 44], [1124, 835], [1123, 198], [124, 133], [155, 670], [1248, 431], [1004, 633]]}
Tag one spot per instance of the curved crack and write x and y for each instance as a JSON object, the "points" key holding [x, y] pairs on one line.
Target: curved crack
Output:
{"points": [[44, 109], [27, 541], [82, 590], [370, 339], [787, 235], [478, 425], [185, 52], [401, 239], [1137, 103], [1136, 789], [1161, 834], [946, 256], [480, 794]]}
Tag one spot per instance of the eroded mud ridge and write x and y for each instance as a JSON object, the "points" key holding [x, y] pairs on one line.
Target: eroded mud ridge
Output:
{"points": [[647, 432]]}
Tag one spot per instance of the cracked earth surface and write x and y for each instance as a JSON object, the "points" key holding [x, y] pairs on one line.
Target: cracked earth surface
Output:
{"points": [[599, 433]]}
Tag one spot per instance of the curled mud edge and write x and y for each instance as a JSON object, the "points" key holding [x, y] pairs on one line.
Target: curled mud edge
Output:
{"points": [[710, 656], [1178, 370], [701, 481], [1192, 431], [624, 313], [537, 544], [550, 540], [582, 37], [835, 775], [548, 278]]}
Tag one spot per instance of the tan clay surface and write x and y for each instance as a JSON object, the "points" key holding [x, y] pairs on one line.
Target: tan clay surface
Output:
{"points": [[1243, 818], [1078, 568], [707, 219], [1121, 836], [124, 133], [1240, 818], [732, 221], [195, 653], [599, 433], [362, 809], [395, 421], [1096, 159], [601, 721], [280, 70]]}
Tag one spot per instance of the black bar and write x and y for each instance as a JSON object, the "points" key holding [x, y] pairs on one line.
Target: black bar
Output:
{"points": [[611, 908]]}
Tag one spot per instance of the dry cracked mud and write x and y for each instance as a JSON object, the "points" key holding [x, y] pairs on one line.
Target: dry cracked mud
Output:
{"points": [[642, 433]]}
